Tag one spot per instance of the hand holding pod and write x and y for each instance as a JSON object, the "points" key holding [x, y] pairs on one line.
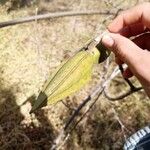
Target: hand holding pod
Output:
{"points": [[71, 76]]}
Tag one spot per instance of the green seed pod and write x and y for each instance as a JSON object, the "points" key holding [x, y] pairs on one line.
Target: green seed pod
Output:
{"points": [[69, 78]]}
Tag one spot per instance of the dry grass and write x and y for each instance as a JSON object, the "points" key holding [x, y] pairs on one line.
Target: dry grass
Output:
{"points": [[29, 53]]}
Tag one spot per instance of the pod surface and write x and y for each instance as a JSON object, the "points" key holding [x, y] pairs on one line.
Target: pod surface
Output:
{"points": [[69, 78]]}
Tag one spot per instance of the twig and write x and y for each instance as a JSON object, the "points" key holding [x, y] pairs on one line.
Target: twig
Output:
{"points": [[122, 95], [76, 112], [87, 110], [53, 15], [67, 106], [123, 128], [61, 137], [132, 89]]}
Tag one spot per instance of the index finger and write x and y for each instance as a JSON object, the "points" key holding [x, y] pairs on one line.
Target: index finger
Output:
{"points": [[135, 15]]}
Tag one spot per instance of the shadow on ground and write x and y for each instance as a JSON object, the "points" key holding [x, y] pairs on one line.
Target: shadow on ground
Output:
{"points": [[13, 133]]}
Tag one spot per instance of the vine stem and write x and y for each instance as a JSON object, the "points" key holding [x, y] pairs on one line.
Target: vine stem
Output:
{"points": [[52, 15]]}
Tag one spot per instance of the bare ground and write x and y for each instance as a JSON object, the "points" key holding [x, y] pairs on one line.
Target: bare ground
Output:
{"points": [[30, 52]]}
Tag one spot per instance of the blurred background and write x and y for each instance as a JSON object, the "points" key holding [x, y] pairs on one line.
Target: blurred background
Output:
{"points": [[31, 51]]}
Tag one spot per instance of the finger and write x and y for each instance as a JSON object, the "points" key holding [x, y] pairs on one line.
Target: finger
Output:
{"points": [[126, 50], [136, 59], [143, 41], [118, 61], [137, 14], [132, 30], [127, 73], [123, 48]]}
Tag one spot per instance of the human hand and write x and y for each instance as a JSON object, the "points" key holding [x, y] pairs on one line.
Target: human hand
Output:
{"points": [[135, 53]]}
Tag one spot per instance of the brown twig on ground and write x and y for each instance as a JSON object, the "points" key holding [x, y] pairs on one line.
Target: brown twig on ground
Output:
{"points": [[53, 15]]}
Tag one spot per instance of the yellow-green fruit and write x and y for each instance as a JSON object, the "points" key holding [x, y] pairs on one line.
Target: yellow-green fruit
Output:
{"points": [[69, 78]]}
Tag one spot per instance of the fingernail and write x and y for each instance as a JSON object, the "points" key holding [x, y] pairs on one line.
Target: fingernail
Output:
{"points": [[107, 40]]}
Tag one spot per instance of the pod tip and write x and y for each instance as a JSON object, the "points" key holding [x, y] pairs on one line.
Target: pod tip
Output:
{"points": [[40, 102]]}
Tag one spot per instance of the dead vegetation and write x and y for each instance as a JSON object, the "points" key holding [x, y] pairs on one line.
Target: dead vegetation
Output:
{"points": [[30, 52]]}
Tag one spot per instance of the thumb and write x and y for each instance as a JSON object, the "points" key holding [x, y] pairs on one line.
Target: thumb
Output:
{"points": [[136, 58], [124, 49]]}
